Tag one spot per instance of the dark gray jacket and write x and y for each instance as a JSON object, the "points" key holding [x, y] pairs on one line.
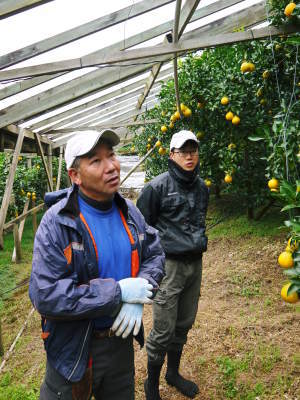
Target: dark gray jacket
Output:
{"points": [[175, 203]]}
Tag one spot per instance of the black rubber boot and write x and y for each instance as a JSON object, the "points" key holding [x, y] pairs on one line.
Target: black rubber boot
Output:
{"points": [[173, 378], [151, 384]]}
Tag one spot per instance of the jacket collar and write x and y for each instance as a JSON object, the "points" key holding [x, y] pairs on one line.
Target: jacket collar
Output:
{"points": [[71, 206]]}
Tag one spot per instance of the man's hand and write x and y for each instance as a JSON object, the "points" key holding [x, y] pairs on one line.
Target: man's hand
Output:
{"points": [[129, 317], [136, 290]]}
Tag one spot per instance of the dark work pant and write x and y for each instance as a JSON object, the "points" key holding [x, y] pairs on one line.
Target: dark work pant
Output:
{"points": [[113, 373], [174, 308]]}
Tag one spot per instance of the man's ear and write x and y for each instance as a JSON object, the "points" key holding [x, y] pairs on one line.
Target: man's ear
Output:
{"points": [[171, 155], [74, 175]]}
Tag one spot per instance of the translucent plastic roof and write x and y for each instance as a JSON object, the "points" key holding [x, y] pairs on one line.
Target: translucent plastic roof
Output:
{"points": [[95, 91]]}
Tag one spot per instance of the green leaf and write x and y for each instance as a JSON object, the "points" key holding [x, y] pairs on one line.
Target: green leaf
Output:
{"points": [[289, 207], [255, 138]]}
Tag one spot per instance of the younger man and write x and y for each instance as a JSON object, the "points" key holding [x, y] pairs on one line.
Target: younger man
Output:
{"points": [[175, 203]]}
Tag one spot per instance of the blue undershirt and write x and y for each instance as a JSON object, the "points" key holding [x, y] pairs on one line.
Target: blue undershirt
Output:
{"points": [[113, 246]]}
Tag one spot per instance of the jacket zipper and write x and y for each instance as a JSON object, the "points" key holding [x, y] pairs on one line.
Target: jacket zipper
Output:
{"points": [[81, 351]]}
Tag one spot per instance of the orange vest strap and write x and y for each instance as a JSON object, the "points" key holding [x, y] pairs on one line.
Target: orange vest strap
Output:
{"points": [[135, 265]]}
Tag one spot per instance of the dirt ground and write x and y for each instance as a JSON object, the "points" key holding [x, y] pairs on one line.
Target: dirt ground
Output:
{"points": [[244, 344]]}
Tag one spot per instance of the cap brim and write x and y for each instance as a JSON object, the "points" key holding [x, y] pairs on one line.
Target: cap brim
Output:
{"points": [[110, 136]]}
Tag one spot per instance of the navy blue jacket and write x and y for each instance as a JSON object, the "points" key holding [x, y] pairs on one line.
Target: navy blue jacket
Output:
{"points": [[65, 287]]}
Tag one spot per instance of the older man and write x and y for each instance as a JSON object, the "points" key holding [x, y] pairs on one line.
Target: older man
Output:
{"points": [[175, 203], [95, 264]]}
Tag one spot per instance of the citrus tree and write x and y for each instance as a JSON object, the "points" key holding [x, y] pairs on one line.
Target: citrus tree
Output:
{"points": [[242, 102], [29, 183]]}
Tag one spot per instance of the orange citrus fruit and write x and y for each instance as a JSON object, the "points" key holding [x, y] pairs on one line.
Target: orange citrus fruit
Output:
{"points": [[285, 260], [164, 129], [187, 112], [228, 178], [273, 183], [207, 182], [236, 120], [229, 116], [289, 9], [291, 298], [266, 74], [224, 100]]}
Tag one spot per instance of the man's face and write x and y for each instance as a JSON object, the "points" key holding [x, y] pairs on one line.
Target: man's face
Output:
{"points": [[187, 156], [98, 175]]}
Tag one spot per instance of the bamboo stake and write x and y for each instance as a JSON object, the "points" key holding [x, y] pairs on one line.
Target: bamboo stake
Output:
{"points": [[8, 354]]}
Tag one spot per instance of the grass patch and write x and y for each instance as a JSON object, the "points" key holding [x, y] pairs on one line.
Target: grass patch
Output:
{"points": [[227, 219]]}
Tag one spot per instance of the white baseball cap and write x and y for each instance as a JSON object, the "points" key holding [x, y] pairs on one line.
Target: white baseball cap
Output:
{"points": [[84, 141], [179, 138]]}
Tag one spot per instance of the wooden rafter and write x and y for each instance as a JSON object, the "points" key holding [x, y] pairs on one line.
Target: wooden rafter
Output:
{"points": [[132, 41], [80, 31], [10, 7], [185, 16], [117, 95]]}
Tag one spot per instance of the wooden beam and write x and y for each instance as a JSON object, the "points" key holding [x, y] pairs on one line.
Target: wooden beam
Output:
{"points": [[19, 87], [77, 88], [79, 32], [11, 7], [121, 93], [136, 39], [58, 132], [175, 40], [9, 224], [27, 133], [107, 112], [185, 16], [192, 44], [9, 184], [38, 141], [120, 123]]}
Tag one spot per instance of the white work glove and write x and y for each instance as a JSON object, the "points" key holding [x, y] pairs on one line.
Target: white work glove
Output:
{"points": [[136, 290], [129, 317]]}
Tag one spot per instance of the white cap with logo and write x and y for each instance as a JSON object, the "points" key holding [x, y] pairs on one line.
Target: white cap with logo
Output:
{"points": [[84, 141], [179, 138]]}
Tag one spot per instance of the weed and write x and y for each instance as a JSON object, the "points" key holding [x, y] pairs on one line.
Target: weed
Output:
{"points": [[268, 356]]}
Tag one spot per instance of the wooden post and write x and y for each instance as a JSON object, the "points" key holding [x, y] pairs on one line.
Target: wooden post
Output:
{"points": [[40, 149], [17, 243], [21, 228], [59, 167], [50, 168], [9, 184], [34, 218]]}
